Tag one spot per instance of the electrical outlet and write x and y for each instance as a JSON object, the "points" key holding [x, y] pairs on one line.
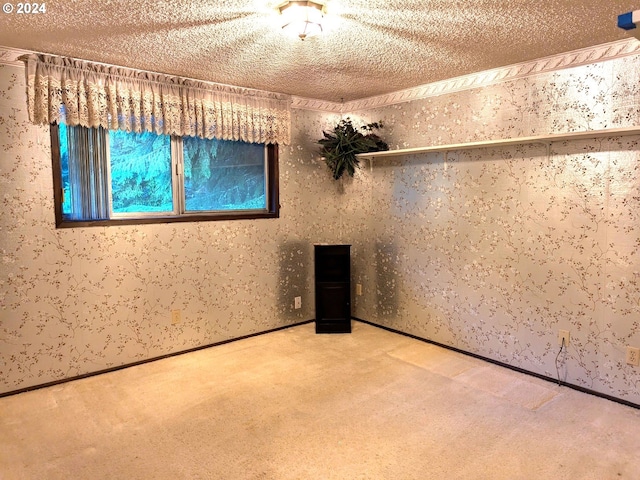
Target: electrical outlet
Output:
{"points": [[176, 317], [297, 302], [358, 289], [563, 335], [633, 356]]}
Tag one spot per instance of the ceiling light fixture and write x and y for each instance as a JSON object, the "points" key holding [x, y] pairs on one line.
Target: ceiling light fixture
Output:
{"points": [[302, 18]]}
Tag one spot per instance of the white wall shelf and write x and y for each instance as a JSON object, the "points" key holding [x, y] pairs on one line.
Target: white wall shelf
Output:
{"points": [[543, 139]]}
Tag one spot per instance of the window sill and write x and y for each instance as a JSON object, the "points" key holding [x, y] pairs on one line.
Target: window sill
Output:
{"points": [[65, 223]]}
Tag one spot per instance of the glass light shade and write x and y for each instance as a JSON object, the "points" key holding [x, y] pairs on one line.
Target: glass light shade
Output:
{"points": [[302, 18]]}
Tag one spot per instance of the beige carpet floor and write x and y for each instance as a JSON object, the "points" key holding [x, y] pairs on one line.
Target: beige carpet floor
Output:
{"points": [[295, 405]]}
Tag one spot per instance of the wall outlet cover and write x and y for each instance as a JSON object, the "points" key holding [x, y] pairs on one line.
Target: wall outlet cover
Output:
{"points": [[563, 335], [633, 356]]}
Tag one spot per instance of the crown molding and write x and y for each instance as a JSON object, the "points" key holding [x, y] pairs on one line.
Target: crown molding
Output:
{"points": [[9, 56], [319, 105], [575, 58]]}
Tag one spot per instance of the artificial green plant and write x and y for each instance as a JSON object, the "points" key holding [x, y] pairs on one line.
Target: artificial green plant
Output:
{"points": [[340, 146]]}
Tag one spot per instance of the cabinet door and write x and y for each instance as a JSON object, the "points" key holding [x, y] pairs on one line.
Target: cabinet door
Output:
{"points": [[333, 302]]}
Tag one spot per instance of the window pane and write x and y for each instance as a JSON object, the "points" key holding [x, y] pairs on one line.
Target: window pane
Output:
{"points": [[223, 175], [140, 172], [64, 169]]}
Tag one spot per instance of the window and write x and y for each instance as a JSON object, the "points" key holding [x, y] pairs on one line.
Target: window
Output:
{"points": [[106, 177]]}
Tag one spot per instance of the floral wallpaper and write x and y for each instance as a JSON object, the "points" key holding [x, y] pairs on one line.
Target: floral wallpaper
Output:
{"points": [[81, 300], [495, 250], [491, 251]]}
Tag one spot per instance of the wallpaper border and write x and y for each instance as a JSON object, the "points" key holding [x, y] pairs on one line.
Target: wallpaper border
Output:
{"points": [[303, 103], [575, 58], [9, 56]]}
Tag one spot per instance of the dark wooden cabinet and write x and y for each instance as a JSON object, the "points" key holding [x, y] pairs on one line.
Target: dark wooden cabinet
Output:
{"points": [[333, 288]]}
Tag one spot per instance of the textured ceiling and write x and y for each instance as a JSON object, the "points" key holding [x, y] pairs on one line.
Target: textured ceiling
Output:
{"points": [[369, 47]]}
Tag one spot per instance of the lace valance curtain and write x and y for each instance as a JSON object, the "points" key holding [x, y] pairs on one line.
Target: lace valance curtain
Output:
{"points": [[75, 92]]}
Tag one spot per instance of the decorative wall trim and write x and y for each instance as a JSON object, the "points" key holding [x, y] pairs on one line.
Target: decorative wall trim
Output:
{"points": [[575, 58], [9, 56], [319, 105]]}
